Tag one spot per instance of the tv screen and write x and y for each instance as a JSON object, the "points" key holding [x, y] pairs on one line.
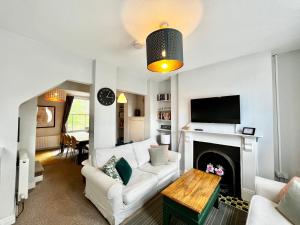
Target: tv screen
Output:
{"points": [[216, 110]]}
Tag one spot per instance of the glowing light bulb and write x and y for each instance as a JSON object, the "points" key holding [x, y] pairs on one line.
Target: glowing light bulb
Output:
{"points": [[164, 65], [163, 53]]}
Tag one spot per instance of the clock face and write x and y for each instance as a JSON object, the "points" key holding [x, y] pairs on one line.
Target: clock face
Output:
{"points": [[106, 96]]}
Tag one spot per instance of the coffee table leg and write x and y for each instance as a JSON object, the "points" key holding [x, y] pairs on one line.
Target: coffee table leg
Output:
{"points": [[167, 216], [216, 205]]}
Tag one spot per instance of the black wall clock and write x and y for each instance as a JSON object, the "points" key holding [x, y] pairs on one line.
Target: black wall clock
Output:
{"points": [[106, 96]]}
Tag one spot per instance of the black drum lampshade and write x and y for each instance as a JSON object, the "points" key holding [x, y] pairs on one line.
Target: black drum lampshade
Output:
{"points": [[164, 50]]}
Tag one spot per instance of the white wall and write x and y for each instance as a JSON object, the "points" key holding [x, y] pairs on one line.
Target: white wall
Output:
{"points": [[251, 78], [59, 111], [27, 113], [289, 111], [128, 81], [104, 126], [27, 69]]}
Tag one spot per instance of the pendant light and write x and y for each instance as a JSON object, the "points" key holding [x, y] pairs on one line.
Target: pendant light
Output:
{"points": [[164, 50], [122, 98], [55, 95]]}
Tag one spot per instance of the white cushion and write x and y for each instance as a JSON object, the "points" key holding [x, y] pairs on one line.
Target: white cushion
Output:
{"points": [[141, 150], [262, 211], [125, 151], [161, 171], [139, 185]]}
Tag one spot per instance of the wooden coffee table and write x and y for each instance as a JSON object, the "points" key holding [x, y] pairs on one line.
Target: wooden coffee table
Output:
{"points": [[191, 197]]}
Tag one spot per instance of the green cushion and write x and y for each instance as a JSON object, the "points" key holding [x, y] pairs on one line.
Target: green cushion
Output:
{"points": [[124, 170], [289, 206], [109, 169]]}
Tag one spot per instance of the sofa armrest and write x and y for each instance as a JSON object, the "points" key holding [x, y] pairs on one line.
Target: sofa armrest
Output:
{"points": [[268, 188], [174, 156], [106, 185]]}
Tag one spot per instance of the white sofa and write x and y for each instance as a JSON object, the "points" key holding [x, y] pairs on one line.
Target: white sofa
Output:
{"points": [[115, 201], [262, 209]]}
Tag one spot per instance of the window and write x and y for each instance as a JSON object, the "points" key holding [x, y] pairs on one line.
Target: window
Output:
{"points": [[79, 115]]}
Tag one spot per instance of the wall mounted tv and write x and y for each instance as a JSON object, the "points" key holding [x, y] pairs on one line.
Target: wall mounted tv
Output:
{"points": [[216, 110]]}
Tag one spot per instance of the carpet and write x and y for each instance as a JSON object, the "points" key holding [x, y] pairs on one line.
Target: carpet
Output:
{"points": [[59, 200], [152, 214]]}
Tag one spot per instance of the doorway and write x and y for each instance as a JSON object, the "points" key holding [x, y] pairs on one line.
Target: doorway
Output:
{"points": [[130, 118]]}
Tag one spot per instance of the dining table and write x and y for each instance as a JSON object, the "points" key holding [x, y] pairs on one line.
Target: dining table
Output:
{"points": [[82, 138]]}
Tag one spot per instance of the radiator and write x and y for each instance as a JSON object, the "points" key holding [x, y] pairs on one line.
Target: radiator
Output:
{"points": [[46, 142], [23, 174]]}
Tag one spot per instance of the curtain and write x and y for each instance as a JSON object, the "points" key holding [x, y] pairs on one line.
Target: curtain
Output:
{"points": [[68, 106]]}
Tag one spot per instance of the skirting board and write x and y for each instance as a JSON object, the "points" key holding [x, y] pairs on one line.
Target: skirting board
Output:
{"points": [[8, 220], [247, 194], [38, 178], [31, 185]]}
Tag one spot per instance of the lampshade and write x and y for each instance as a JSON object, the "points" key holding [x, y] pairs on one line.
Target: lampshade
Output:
{"points": [[164, 50], [55, 95], [122, 98]]}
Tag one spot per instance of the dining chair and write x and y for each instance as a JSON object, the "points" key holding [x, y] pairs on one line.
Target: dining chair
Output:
{"points": [[68, 144], [73, 145]]}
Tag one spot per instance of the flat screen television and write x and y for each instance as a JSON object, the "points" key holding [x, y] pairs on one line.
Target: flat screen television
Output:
{"points": [[216, 110]]}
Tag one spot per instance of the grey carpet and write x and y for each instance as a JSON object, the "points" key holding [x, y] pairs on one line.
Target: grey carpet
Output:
{"points": [[152, 214], [59, 200]]}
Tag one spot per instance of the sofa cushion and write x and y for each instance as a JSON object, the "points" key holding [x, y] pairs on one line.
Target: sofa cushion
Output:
{"points": [[262, 211], [110, 170], [124, 170], [160, 171], [159, 155], [285, 189], [141, 150], [289, 206], [125, 151], [139, 185]]}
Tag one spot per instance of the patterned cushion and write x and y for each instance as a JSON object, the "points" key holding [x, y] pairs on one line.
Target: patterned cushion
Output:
{"points": [[110, 170]]}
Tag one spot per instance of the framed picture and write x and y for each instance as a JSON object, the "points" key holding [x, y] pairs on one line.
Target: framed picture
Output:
{"points": [[248, 131], [45, 117]]}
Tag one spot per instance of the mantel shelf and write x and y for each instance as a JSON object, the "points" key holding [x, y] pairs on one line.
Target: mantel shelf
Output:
{"points": [[223, 133]]}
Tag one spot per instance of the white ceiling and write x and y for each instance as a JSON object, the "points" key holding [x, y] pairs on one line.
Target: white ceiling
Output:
{"points": [[94, 29]]}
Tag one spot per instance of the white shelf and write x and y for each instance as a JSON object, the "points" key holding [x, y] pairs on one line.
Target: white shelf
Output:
{"points": [[169, 121], [164, 110], [165, 130], [223, 133], [163, 100]]}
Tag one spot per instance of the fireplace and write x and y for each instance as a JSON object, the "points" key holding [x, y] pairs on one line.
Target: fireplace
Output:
{"points": [[221, 160]]}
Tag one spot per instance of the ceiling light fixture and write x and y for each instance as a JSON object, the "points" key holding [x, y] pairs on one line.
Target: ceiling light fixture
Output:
{"points": [[164, 50], [122, 98], [55, 95]]}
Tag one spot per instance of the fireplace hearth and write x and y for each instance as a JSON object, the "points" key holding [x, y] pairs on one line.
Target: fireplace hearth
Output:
{"points": [[221, 160]]}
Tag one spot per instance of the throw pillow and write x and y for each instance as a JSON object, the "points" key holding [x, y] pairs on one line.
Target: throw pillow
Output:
{"points": [[124, 170], [285, 189], [110, 170], [289, 206], [159, 155]]}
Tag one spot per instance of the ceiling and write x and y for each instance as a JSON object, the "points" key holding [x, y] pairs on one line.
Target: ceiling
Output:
{"points": [[95, 29]]}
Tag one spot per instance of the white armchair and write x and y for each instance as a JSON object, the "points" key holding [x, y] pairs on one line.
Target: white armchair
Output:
{"points": [[262, 210], [268, 188]]}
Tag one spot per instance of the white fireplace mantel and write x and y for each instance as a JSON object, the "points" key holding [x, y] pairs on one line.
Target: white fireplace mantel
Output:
{"points": [[248, 149]]}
